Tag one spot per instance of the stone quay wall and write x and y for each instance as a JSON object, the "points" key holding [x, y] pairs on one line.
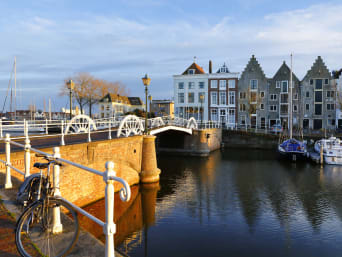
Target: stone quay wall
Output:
{"points": [[82, 187]]}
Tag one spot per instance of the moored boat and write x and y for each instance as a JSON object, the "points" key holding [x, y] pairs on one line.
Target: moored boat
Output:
{"points": [[332, 150], [293, 149]]}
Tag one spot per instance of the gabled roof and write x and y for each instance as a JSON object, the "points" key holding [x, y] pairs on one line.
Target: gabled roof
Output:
{"points": [[253, 65], [223, 69], [135, 101], [318, 70], [284, 71], [115, 98], [194, 66]]}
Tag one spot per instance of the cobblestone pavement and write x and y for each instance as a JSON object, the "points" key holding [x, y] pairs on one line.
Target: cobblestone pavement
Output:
{"points": [[7, 234]]}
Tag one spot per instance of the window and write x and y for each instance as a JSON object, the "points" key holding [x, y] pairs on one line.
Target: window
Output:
{"points": [[311, 81], [330, 94], [191, 85], [278, 83], [213, 83], [307, 107], [181, 85], [191, 97], [232, 97], [223, 84], [307, 94], [262, 94], [318, 97], [284, 98], [331, 122], [284, 109], [330, 107], [318, 109], [273, 108], [254, 84], [242, 107], [102, 107], [295, 108], [242, 95], [319, 85], [284, 86], [214, 114], [243, 120], [201, 94], [253, 97], [223, 98], [273, 97], [231, 116], [231, 83], [201, 85], [295, 97], [180, 97], [191, 71], [262, 107], [213, 97], [326, 81]]}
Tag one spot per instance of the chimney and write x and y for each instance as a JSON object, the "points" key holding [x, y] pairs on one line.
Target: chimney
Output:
{"points": [[210, 67]]}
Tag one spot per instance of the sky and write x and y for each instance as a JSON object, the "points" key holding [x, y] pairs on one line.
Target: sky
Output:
{"points": [[121, 40]]}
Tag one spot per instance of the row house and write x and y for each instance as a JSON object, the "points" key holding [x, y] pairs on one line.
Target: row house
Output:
{"points": [[337, 82]]}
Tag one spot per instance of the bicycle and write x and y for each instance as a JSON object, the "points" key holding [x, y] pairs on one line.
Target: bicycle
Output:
{"points": [[49, 225]]}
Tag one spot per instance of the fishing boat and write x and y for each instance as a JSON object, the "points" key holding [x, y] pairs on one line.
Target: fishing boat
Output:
{"points": [[332, 150], [291, 148]]}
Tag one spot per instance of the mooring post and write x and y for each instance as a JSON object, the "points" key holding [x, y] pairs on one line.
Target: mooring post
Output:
{"points": [[109, 130], [1, 135], [62, 136], [321, 153], [89, 138], [27, 156], [57, 226], [8, 183], [109, 227]]}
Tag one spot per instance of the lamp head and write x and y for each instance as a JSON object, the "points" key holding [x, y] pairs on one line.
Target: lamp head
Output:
{"points": [[146, 80], [70, 84]]}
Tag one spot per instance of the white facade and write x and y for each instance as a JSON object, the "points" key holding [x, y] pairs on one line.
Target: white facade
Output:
{"points": [[338, 103], [187, 91]]}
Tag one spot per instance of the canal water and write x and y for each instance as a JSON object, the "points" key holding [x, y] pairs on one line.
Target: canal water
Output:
{"points": [[232, 203]]}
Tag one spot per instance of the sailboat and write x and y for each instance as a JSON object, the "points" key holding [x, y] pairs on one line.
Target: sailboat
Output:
{"points": [[292, 148]]}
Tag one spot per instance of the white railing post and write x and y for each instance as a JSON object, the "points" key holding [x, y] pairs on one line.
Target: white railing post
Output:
{"points": [[57, 226], [62, 136], [89, 138], [8, 183], [25, 126], [46, 127], [109, 129], [109, 227], [1, 135], [27, 157]]}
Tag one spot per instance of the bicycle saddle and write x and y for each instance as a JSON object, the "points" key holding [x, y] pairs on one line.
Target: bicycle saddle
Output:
{"points": [[41, 165]]}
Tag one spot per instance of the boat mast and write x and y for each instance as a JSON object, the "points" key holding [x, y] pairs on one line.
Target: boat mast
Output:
{"points": [[15, 87], [49, 109], [290, 100]]}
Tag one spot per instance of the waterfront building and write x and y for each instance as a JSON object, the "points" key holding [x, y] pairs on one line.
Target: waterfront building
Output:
{"points": [[253, 96], [112, 105], [318, 97], [162, 108], [337, 82], [191, 93], [223, 93], [278, 98]]}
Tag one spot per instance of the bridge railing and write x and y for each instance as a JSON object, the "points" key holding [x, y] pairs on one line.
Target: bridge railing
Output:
{"points": [[109, 176]]}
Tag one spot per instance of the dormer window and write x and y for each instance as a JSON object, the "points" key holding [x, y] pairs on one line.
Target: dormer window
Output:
{"points": [[191, 71]]}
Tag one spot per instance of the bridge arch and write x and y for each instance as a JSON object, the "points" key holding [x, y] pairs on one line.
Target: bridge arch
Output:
{"points": [[80, 124], [131, 124]]}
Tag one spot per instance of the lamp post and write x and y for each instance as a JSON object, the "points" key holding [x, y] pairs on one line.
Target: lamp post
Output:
{"points": [[146, 80], [201, 99], [70, 85], [150, 99]]}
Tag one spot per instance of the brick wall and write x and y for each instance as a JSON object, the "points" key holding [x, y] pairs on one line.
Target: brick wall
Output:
{"points": [[82, 187]]}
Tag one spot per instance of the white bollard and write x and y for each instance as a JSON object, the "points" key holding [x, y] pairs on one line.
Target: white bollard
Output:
{"points": [[89, 138], [62, 130], [57, 226], [27, 157], [8, 183], [109, 227], [46, 127], [109, 130]]}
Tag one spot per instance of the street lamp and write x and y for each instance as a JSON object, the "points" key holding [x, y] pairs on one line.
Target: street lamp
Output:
{"points": [[70, 85], [146, 80], [202, 99]]}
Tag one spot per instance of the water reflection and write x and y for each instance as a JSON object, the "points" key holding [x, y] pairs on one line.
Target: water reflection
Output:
{"points": [[236, 203]]}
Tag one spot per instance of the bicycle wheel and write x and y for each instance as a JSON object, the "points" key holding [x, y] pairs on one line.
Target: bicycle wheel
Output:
{"points": [[36, 235]]}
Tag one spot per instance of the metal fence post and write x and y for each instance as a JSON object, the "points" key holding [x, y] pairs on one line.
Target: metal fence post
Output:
{"points": [[62, 130], [8, 183], [109, 227], [27, 157], [57, 225], [109, 130]]}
